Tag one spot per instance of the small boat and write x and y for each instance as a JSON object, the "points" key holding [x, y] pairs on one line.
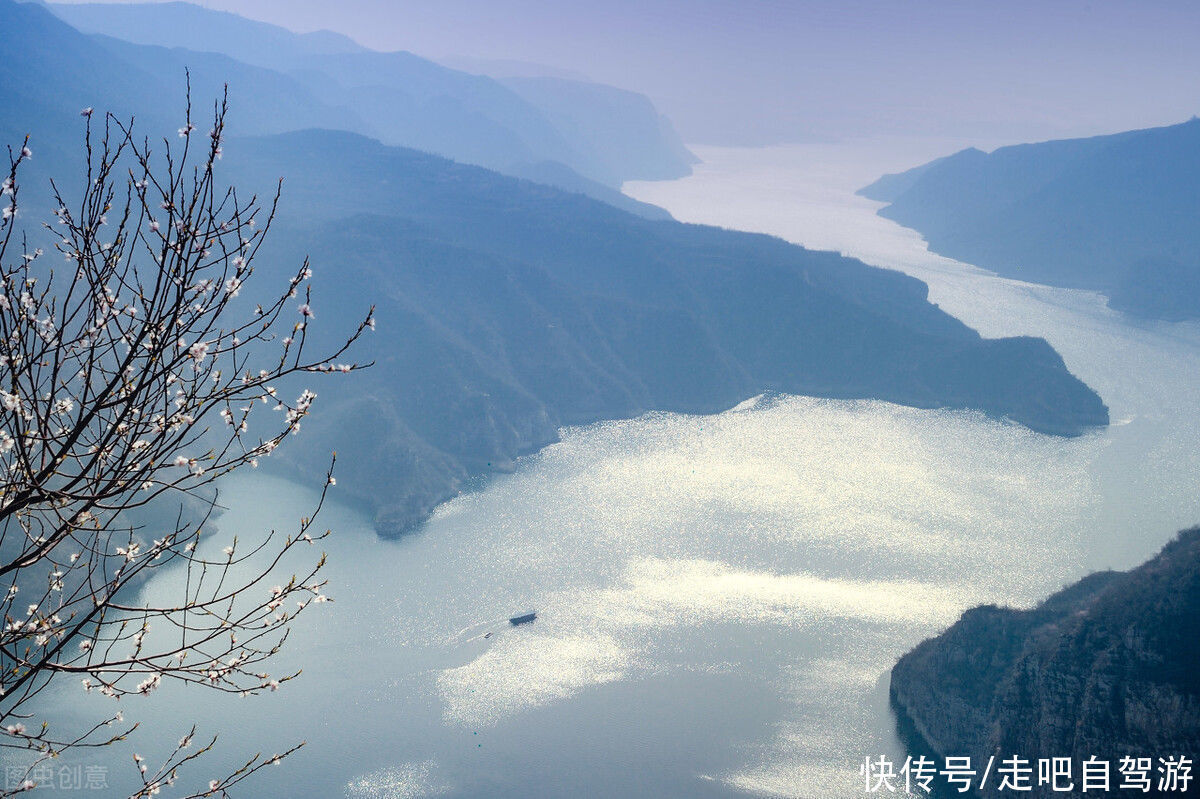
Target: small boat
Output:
{"points": [[526, 618]]}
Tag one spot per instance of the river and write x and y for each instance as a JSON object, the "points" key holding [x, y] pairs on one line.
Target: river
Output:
{"points": [[719, 597]]}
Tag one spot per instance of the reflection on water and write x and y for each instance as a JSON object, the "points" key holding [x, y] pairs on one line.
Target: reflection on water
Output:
{"points": [[719, 598], [1147, 373]]}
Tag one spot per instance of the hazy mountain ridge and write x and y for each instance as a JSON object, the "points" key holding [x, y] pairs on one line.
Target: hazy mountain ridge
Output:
{"points": [[633, 140], [552, 173], [1116, 214], [508, 309], [402, 99], [1105, 667], [56, 71], [191, 27]]}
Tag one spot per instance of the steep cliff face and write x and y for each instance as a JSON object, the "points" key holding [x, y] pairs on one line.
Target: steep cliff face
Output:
{"points": [[1108, 667]]}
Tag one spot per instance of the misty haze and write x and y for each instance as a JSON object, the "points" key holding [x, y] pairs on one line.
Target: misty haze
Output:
{"points": [[669, 399]]}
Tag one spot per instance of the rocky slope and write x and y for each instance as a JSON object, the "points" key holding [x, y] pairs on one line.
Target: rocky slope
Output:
{"points": [[1109, 666]]}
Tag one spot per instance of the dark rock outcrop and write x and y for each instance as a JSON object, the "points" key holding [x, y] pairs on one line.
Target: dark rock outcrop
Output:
{"points": [[1109, 667]]}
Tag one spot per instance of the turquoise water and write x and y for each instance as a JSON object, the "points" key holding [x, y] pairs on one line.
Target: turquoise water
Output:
{"points": [[719, 597]]}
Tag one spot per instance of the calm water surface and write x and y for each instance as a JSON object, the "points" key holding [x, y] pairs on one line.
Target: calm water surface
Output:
{"points": [[719, 597]]}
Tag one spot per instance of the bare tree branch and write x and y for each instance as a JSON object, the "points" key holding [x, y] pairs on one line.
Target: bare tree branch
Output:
{"points": [[130, 374]]}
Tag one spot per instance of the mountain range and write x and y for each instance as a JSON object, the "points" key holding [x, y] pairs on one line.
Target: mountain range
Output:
{"points": [[584, 136], [1116, 214], [509, 308]]}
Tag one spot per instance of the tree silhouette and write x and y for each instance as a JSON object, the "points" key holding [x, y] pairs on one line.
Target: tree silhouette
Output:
{"points": [[131, 376]]}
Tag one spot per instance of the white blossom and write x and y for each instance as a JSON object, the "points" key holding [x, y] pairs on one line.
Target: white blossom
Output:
{"points": [[198, 351]]}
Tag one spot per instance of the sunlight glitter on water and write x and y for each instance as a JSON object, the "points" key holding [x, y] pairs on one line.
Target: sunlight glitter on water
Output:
{"points": [[719, 598], [831, 535]]}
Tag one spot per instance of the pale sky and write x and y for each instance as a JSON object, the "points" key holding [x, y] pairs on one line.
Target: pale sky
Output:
{"points": [[759, 71]]}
